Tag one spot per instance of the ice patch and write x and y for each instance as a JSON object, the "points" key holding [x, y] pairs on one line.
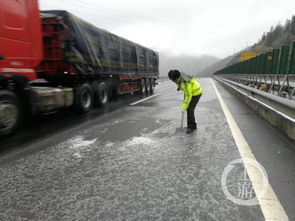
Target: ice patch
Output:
{"points": [[145, 129], [79, 142], [139, 141], [122, 148], [134, 142], [109, 144], [103, 131], [77, 155]]}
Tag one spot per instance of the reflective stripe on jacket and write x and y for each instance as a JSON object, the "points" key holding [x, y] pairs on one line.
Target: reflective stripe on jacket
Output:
{"points": [[190, 88]]}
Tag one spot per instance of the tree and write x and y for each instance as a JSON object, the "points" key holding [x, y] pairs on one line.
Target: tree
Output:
{"points": [[292, 29], [269, 37], [263, 37], [287, 26], [278, 30]]}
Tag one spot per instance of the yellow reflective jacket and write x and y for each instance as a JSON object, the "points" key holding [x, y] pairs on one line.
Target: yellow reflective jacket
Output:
{"points": [[190, 88]]}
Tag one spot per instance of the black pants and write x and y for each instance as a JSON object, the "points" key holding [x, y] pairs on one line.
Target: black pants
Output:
{"points": [[191, 122]]}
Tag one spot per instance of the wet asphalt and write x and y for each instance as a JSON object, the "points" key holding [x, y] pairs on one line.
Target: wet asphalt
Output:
{"points": [[129, 162]]}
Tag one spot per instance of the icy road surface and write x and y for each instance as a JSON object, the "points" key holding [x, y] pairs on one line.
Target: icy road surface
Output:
{"points": [[127, 162]]}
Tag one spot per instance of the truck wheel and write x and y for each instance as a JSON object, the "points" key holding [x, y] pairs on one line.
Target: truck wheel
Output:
{"points": [[152, 86], [142, 87], [103, 93], [10, 113], [147, 86], [84, 98]]}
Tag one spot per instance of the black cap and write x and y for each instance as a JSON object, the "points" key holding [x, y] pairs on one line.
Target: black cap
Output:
{"points": [[173, 74]]}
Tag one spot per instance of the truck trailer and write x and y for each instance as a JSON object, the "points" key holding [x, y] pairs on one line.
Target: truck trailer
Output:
{"points": [[51, 60]]}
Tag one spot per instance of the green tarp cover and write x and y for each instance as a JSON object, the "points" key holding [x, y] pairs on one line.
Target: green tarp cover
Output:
{"points": [[91, 50]]}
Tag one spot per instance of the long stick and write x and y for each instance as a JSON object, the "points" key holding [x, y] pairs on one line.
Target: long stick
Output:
{"points": [[182, 118]]}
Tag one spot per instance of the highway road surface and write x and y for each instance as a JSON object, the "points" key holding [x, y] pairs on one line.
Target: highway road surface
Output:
{"points": [[128, 161]]}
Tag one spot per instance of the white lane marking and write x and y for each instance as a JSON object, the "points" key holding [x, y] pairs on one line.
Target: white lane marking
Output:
{"points": [[269, 203], [137, 102], [164, 87], [164, 82], [171, 94]]}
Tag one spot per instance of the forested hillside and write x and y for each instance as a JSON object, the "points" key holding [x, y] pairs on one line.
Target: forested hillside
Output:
{"points": [[277, 36]]}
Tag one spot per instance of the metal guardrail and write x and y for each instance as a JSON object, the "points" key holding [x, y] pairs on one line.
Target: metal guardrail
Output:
{"points": [[279, 85], [290, 104], [277, 110]]}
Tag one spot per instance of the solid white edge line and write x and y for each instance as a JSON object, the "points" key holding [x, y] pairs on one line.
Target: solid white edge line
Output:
{"points": [[269, 203], [137, 102]]}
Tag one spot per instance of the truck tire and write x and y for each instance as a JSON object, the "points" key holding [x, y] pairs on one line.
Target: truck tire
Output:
{"points": [[147, 86], [152, 86], [84, 98], [10, 113], [142, 87], [103, 93]]}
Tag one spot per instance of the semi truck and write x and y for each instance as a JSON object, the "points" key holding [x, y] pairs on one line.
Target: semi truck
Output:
{"points": [[51, 60]]}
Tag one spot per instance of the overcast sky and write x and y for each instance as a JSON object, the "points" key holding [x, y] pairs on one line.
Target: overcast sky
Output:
{"points": [[211, 27]]}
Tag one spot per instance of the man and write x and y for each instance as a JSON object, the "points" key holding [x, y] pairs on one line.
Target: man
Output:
{"points": [[192, 93]]}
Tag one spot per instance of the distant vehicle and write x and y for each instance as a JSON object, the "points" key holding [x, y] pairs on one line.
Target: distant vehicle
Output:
{"points": [[52, 59]]}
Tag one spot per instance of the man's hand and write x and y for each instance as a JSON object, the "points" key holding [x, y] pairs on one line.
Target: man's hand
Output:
{"points": [[184, 106], [182, 111]]}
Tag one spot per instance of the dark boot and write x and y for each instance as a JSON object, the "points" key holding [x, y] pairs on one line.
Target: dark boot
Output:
{"points": [[189, 130]]}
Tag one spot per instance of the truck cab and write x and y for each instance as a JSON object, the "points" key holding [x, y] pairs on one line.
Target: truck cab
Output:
{"points": [[20, 37], [20, 53]]}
